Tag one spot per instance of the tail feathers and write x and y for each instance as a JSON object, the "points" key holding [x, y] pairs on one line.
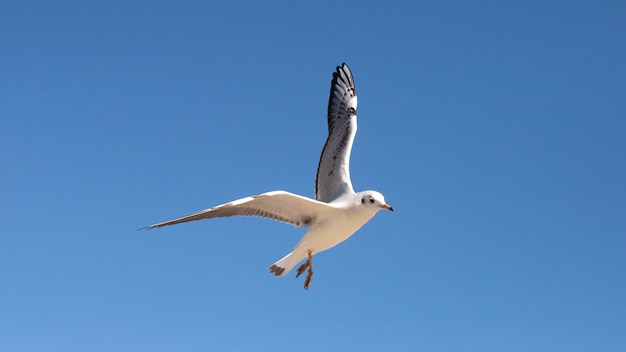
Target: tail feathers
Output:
{"points": [[283, 266]]}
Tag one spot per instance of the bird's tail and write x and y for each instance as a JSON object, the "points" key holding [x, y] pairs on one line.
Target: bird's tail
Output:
{"points": [[283, 266]]}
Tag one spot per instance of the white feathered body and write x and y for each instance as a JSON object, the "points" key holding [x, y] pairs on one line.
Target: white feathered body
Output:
{"points": [[336, 225]]}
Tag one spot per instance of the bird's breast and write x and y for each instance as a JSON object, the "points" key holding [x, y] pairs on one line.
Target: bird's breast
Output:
{"points": [[333, 230]]}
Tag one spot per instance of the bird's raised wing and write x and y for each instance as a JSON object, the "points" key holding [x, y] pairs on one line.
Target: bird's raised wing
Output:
{"points": [[278, 205], [333, 171]]}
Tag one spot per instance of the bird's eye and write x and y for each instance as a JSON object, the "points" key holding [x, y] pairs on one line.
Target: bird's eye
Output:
{"points": [[371, 200]]}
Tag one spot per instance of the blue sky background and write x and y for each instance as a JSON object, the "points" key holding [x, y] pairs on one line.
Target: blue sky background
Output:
{"points": [[497, 130]]}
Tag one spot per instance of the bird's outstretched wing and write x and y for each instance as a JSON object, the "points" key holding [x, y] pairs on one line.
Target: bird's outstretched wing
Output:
{"points": [[278, 205], [333, 170]]}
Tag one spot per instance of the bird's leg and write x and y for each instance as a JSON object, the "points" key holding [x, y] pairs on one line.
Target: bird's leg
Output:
{"points": [[303, 267], [309, 275]]}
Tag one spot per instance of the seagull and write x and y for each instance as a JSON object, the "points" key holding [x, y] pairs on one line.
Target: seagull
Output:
{"points": [[336, 213]]}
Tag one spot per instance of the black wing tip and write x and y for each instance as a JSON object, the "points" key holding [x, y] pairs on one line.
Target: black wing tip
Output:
{"points": [[343, 68], [344, 74]]}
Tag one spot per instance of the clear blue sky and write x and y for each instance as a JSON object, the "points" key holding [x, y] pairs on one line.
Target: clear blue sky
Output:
{"points": [[496, 130]]}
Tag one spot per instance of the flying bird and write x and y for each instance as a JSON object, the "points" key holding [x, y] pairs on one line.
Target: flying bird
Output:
{"points": [[336, 213]]}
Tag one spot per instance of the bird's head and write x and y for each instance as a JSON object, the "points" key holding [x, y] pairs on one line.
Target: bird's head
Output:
{"points": [[374, 200]]}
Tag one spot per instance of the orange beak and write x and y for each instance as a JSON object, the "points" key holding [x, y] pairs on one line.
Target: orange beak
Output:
{"points": [[386, 206]]}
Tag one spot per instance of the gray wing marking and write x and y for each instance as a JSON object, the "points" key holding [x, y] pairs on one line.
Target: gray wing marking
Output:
{"points": [[333, 171]]}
